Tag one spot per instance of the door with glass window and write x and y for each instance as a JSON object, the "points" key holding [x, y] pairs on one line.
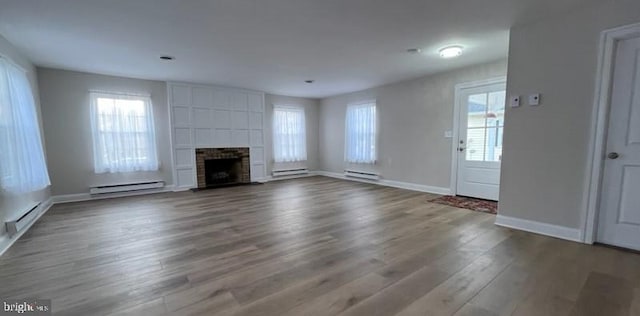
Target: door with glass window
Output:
{"points": [[479, 145]]}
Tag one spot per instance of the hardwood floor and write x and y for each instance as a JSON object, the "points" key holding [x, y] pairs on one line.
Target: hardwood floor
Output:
{"points": [[312, 246]]}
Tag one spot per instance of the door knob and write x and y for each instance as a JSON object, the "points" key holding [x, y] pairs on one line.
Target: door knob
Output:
{"points": [[613, 155], [461, 149]]}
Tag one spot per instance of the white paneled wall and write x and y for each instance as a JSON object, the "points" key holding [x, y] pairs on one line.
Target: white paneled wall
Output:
{"points": [[214, 117]]}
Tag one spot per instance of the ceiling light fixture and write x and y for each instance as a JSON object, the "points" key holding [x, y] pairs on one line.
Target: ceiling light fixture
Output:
{"points": [[167, 57], [309, 81], [451, 51]]}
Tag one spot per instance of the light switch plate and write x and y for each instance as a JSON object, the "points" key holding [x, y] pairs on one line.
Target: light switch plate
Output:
{"points": [[534, 99], [448, 134], [514, 101]]}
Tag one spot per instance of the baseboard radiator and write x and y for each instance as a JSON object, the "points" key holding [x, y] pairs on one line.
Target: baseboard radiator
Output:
{"points": [[289, 172], [361, 175], [27, 215], [127, 187]]}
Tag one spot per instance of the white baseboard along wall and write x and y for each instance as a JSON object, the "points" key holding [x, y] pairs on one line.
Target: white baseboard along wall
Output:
{"points": [[562, 232], [390, 183]]}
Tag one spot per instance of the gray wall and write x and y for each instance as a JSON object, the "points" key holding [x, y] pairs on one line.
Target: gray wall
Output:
{"points": [[13, 205], [311, 110], [413, 116], [67, 127], [545, 147]]}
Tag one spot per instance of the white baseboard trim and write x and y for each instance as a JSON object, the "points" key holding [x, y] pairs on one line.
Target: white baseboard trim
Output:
{"points": [[70, 198], [6, 242], [390, 183], [561, 232]]}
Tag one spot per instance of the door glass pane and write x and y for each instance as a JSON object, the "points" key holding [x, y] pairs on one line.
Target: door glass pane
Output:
{"points": [[485, 121], [493, 148], [495, 113], [476, 144], [477, 108]]}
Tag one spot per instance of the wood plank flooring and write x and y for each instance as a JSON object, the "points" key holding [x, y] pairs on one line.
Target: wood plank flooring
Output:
{"points": [[312, 246]]}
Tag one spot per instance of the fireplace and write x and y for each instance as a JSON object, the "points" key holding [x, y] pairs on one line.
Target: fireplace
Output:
{"points": [[222, 167], [222, 171]]}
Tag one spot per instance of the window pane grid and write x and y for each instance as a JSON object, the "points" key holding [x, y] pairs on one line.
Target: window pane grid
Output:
{"points": [[124, 134], [289, 134], [361, 134], [485, 125]]}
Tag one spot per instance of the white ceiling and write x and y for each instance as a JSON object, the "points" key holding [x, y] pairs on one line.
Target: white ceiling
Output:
{"points": [[268, 45]]}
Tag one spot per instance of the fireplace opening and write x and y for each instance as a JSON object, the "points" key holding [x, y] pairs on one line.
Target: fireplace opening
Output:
{"points": [[221, 167], [223, 171]]}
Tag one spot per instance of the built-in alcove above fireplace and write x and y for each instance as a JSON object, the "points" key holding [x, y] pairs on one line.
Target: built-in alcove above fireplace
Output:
{"points": [[222, 166]]}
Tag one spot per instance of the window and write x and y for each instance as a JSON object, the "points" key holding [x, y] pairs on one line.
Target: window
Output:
{"points": [[123, 133], [361, 133], [485, 125], [289, 134], [22, 163]]}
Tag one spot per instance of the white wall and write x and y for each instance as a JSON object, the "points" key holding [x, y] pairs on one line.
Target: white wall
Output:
{"points": [[545, 147], [311, 110], [12, 205], [413, 116], [67, 128]]}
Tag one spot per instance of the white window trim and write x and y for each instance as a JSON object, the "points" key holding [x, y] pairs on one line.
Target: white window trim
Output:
{"points": [[361, 104], [93, 96], [289, 107]]}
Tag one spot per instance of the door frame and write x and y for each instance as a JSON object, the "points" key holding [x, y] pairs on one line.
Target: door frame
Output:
{"points": [[600, 125], [456, 122]]}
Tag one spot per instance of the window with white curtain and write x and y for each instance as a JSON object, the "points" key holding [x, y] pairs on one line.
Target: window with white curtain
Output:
{"points": [[123, 133], [289, 134], [22, 162], [361, 129]]}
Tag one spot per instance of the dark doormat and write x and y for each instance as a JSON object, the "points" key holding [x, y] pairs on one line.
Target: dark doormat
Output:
{"points": [[473, 204]]}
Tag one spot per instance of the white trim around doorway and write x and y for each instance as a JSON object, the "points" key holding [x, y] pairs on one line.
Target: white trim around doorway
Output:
{"points": [[597, 139]]}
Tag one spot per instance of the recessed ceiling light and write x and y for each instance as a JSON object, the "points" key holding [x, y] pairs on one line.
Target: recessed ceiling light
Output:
{"points": [[309, 81], [451, 51], [167, 57], [414, 50]]}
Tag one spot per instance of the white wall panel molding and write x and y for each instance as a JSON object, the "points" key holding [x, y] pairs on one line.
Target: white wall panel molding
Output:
{"points": [[204, 116]]}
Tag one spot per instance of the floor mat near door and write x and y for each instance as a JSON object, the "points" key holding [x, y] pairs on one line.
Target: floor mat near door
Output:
{"points": [[473, 204]]}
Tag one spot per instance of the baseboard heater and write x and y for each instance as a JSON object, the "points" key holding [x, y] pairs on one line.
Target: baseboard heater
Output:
{"points": [[127, 187], [17, 225], [361, 175], [289, 172]]}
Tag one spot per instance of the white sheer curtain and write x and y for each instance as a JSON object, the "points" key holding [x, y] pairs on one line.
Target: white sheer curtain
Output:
{"points": [[360, 142], [289, 134], [123, 133], [22, 163]]}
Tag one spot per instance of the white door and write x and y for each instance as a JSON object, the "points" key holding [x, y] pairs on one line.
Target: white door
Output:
{"points": [[619, 216], [481, 126]]}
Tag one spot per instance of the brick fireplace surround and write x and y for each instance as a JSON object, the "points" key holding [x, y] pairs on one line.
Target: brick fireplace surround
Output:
{"points": [[203, 154]]}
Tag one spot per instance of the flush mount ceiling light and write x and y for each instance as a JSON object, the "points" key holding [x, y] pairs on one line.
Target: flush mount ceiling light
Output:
{"points": [[451, 51], [165, 57], [309, 81]]}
